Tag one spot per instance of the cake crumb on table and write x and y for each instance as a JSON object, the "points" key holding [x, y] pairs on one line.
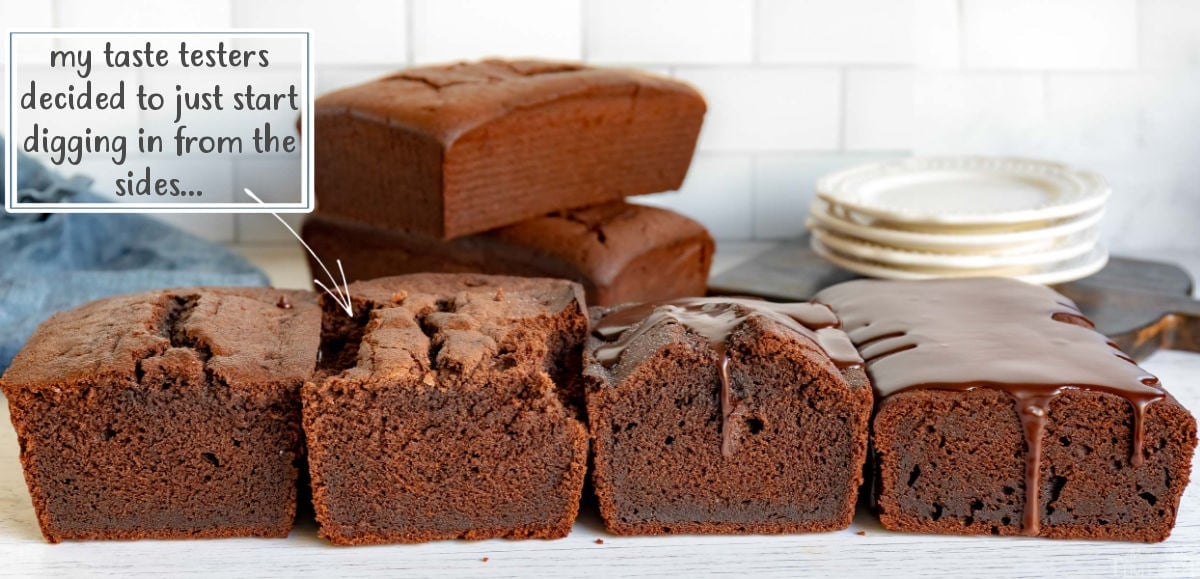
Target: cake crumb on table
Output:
{"points": [[861, 533], [599, 541], [485, 559]]}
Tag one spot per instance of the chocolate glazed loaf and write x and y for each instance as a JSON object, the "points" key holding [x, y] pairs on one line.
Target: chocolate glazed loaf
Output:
{"points": [[1003, 412], [449, 419], [618, 251], [456, 149], [166, 414], [714, 415]]}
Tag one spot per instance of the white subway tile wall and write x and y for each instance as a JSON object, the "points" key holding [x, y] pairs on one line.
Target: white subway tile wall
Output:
{"points": [[346, 32], [470, 29], [718, 192], [170, 15], [1170, 33], [1053, 35], [879, 109], [785, 184], [25, 14], [670, 31], [845, 31], [936, 37], [966, 112], [795, 88], [768, 109]]}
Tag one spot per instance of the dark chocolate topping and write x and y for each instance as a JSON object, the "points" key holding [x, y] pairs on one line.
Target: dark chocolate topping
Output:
{"points": [[715, 319], [1026, 340]]}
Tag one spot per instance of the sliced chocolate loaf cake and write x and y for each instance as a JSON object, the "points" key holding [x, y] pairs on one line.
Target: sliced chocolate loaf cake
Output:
{"points": [[444, 415], [1003, 412], [166, 414], [619, 252], [722, 415], [456, 149]]}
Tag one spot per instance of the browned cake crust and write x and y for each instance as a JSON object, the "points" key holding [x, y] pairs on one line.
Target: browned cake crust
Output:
{"points": [[619, 252], [457, 149], [783, 454], [993, 391], [166, 414], [442, 417]]}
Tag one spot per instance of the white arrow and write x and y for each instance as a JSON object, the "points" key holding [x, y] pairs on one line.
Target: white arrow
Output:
{"points": [[340, 294]]}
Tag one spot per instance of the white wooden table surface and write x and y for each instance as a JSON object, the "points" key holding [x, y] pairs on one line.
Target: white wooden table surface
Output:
{"points": [[874, 553]]}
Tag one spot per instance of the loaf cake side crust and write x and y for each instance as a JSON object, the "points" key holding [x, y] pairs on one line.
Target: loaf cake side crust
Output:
{"points": [[458, 149], [619, 252], [627, 252], [166, 414]]}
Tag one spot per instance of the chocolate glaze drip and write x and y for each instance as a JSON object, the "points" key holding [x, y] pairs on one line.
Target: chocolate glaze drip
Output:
{"points": [[715, 319], [962, 334]]}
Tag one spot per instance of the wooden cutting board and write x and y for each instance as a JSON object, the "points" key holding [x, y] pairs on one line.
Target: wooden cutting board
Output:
{"points": [[1142, 305]]}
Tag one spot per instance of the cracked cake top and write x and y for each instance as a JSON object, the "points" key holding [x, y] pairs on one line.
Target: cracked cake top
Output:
{"points": [[432, 327], [241, 337]]}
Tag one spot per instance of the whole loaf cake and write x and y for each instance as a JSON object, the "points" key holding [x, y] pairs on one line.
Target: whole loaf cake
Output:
{"points": [[723, 415], [167, 414], [619, 252], [445, 413], [1002, 411], [451, 150]]}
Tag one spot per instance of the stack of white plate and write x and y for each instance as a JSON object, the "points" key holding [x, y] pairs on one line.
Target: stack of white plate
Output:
{"points": [[921, 218]]}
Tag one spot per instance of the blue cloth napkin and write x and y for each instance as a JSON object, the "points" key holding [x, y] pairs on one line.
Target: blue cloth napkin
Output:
{"points": [[52, 262]]}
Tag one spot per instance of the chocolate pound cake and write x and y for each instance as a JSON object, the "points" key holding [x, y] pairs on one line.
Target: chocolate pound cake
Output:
{"points": [[444, 414], [167, 414], [452, 150], [723, 415], [1003, 412], [619, 252]]}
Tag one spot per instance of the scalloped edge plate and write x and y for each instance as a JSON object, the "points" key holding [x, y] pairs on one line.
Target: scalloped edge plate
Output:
{"points": [[1062, 249], [1049, 274], [1029, 239], [964, 191]]}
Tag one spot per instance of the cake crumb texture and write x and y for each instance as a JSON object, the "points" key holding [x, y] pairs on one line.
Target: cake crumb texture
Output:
{"points": [[442, 415], [166, 414], [787, 458]]}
